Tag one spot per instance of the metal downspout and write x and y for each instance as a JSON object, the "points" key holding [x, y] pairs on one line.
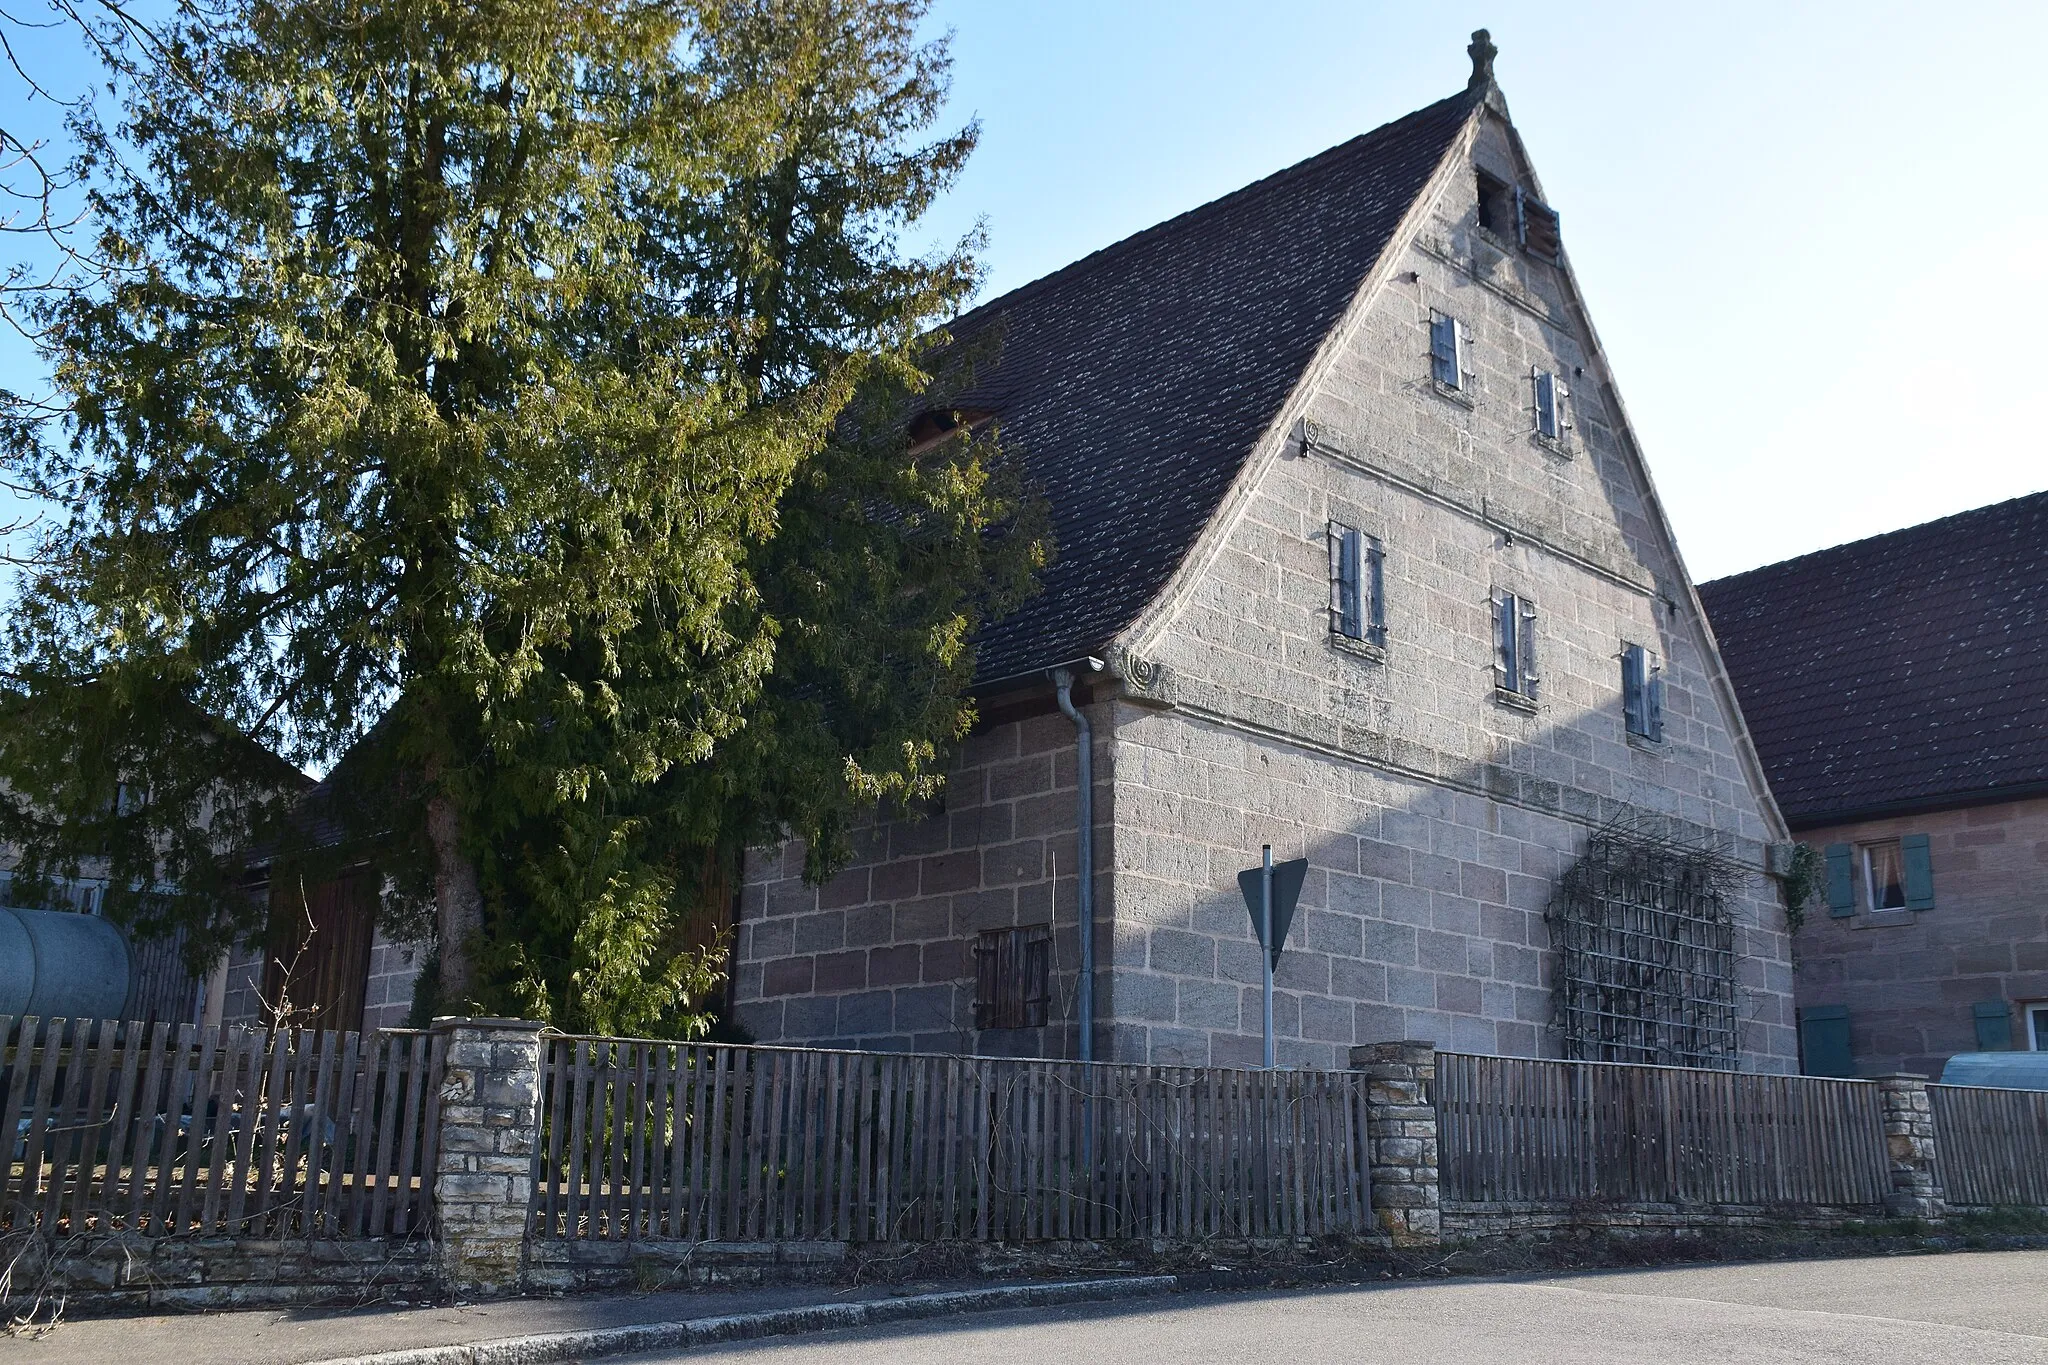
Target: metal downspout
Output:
{"points": [[1084, 858]]}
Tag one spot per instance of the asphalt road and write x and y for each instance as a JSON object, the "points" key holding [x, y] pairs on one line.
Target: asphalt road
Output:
{"points": [[1983, 1308]]}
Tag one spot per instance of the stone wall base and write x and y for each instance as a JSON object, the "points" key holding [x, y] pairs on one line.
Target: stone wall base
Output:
{"points": [[1471, 1220], [122, 1271], [555, 1266]]}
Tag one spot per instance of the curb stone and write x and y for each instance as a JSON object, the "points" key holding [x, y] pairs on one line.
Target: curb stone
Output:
{"points": [[547, 1347]]}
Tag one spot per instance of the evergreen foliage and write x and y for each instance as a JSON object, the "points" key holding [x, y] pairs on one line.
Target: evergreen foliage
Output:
{"points": [[509, 396]]}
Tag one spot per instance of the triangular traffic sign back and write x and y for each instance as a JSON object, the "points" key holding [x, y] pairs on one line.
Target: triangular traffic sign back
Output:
{"points": [[1287, 880]]}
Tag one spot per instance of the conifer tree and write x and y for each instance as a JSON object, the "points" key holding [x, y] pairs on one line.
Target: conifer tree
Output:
{"points": [[511, 397]]}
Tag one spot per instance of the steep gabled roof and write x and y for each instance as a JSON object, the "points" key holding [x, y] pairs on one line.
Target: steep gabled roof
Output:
{"points": [[1137, 381], [1905, 671]]}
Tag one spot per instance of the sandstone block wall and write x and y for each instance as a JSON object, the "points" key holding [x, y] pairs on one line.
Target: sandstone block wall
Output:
{"points": [[1911, 979], [881, 956]]}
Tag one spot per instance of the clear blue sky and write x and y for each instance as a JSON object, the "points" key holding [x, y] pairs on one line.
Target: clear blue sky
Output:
{"points": [[1814, 236]]}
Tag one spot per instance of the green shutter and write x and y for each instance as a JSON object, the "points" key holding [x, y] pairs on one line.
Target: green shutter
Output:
{"points": [[1994, 1025], [1841, 881], [1824, 1041], [1919, 872]]}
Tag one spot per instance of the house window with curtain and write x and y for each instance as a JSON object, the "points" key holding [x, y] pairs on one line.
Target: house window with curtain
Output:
{"points": [[1358, 610], [1880, 874], [1884, 876]]}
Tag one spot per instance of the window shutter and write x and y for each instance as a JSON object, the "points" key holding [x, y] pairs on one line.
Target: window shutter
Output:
{"points": [[1841, 881], [1504, 642], [1653, 703], [1994, 1025], [1521, 216], [1919, 872], [1376, 592], [1444, 350], [1462, 341], [1354, 624], [1336, 535], [1345, 615], [1525, 643], [1824, 1041], [1546, 404], [1633, 699]]}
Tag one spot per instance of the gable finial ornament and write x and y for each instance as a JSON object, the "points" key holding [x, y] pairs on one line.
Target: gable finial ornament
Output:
{"points": [[1483, 52]]}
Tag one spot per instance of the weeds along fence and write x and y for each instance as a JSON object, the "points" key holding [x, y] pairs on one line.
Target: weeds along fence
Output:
{"points": [[1513, 1130], [1992, 1145], [708, 1143], [172, 1130]]}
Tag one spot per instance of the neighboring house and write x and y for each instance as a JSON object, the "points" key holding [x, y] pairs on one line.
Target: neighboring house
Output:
{"points": [[1897, 689], [1358, 558]]}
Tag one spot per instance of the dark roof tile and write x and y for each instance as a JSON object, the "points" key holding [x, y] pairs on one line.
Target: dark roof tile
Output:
{"points": [[1136, 381], [1907, 669]]}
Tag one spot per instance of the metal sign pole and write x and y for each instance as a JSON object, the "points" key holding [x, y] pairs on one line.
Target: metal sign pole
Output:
{"points": [[1266, 939]]}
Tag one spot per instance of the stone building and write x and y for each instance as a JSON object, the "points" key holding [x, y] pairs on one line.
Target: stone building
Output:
{"points": [[1359, 559], [1897, 688]]}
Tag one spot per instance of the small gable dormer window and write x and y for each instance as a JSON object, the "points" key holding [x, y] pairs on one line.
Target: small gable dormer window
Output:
{"points": [[1497, 207], [1358, 609], [1550, 396], [1449, 344], [1642, 694], [1512, 214]]}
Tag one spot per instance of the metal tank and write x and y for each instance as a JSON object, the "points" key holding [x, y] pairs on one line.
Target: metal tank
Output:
{"points": [[61, 964]]}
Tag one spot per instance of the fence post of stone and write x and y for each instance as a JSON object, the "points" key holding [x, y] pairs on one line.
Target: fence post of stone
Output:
{"points": [[490, 1130], [1909, 1145], [1400, 1128]]}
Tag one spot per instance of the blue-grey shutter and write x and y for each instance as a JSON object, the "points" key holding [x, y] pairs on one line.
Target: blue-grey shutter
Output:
{"points": [[1521, 216], [1336, 538], [1824, 1041], [1841, 880], [1919, 872], [1632, 691], [1354, 626], [1525, 648], [1546, 405], [1653, 703], [1994, 1025], [1443, 351], [1376, 592], [1504, 651]]}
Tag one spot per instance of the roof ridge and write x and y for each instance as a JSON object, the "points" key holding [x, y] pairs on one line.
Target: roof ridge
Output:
{"points": [[1200, 211], [1845, 546]]}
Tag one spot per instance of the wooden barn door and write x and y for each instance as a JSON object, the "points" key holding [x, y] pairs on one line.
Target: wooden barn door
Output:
{"points": [[319, 961]]}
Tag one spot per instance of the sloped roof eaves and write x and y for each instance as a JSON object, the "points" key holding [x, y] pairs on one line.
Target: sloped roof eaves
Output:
{"points": [[1136, 382], [1900, 672]]}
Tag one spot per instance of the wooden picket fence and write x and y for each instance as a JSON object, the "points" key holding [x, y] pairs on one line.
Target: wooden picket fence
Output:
{"points": [[1991, 1146], [1513, 1130], [699, 1142], [163, 1130]]}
